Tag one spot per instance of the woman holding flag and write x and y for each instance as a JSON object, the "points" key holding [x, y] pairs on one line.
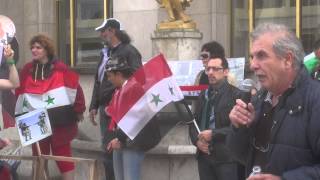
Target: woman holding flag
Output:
{"points": [[128, 153], [46, 82]]}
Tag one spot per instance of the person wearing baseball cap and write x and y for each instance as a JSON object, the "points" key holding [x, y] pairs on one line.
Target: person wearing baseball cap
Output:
{"points": [[128, 154], [117, 42], [109, 23]]}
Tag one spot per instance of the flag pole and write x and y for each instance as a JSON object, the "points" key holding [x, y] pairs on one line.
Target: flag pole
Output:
{"points": [[191, 115], [196, 125]]}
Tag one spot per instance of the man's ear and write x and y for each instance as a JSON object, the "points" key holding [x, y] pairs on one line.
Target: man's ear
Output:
{"points": [[226, 72], [289, 60], [317, 52]]}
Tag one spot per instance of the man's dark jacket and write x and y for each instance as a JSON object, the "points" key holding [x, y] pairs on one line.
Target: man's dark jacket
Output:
{"points": [[225, 98], [294, 152], [102, 91]]}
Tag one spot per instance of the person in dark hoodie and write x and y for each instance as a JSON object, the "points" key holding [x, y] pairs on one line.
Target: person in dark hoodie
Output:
{"points": [[46, 82]]}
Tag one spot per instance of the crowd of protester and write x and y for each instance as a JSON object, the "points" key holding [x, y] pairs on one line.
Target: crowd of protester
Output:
{"points": [[271, 136]]}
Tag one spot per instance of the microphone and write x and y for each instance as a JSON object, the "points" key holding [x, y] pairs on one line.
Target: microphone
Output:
{"points": [[246, 86]]}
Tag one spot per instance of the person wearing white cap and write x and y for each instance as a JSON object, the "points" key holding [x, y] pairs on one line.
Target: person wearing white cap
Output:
{"points": [[116, 42]]}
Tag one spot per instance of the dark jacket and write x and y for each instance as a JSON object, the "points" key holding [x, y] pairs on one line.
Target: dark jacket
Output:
{"points": [[294, 151], [223, 102], [102, 91]]}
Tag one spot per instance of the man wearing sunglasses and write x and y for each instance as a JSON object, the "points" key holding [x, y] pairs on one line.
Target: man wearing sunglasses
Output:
{"points": [[212, 110]]}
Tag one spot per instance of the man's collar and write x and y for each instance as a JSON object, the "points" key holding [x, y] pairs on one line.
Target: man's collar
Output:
{"points": [[300, 77], [116, 45]]}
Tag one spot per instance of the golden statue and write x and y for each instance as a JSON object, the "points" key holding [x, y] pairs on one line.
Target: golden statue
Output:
{"points": [[177, 17]]}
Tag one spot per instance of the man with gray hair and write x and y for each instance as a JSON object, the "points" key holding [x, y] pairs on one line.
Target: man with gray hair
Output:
{"points": [[277, 134]]}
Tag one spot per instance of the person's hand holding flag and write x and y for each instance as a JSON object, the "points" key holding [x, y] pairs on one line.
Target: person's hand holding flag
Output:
{"points": [[146, 92]]}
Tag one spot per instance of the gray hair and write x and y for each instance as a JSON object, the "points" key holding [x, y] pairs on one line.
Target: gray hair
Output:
{"points": [[286, 42]]}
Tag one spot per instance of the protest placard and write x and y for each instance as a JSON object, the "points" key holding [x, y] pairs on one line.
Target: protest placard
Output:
{"points": [[33, 126]]}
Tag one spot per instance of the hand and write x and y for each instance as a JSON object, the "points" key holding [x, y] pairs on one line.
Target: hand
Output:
{"points": [[113, 144], [264, 177], [92, 115], [80, 117], [203, 146], [4, 142], [242, 114], [205, 135], [8, 52]]}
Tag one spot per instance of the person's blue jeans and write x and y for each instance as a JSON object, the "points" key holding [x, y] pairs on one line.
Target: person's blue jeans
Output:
{"points": [[127, 164], [107, 161]]}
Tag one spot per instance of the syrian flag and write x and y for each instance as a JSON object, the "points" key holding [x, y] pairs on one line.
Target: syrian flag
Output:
{"points": [[148, 90], [57, 94]]}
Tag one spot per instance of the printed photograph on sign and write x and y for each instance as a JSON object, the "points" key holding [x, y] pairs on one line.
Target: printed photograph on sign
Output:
{"points": [[33, 126], [7, 29]]}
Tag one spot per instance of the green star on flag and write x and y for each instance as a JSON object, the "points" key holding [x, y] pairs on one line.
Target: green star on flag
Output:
{"points": [[171, 90], [25, 103], [50, 100], [156, 99]]}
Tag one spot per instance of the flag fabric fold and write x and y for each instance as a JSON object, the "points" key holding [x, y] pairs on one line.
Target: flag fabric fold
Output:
{"points": [[144, 94], [51, 93]]}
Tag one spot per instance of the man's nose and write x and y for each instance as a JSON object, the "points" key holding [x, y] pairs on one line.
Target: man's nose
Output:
{"points": [[254, 64]]}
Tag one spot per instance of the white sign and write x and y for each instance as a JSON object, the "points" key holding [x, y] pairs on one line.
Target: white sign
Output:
{"points": [[7, 29], [236, 68], [185, 71], [33, 126]]}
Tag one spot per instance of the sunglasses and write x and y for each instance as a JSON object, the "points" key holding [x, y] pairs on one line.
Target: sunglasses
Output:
{"points": [[204, 55]]}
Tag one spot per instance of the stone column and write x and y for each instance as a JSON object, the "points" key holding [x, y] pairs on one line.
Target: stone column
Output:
{"points": [[180, 44]]}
